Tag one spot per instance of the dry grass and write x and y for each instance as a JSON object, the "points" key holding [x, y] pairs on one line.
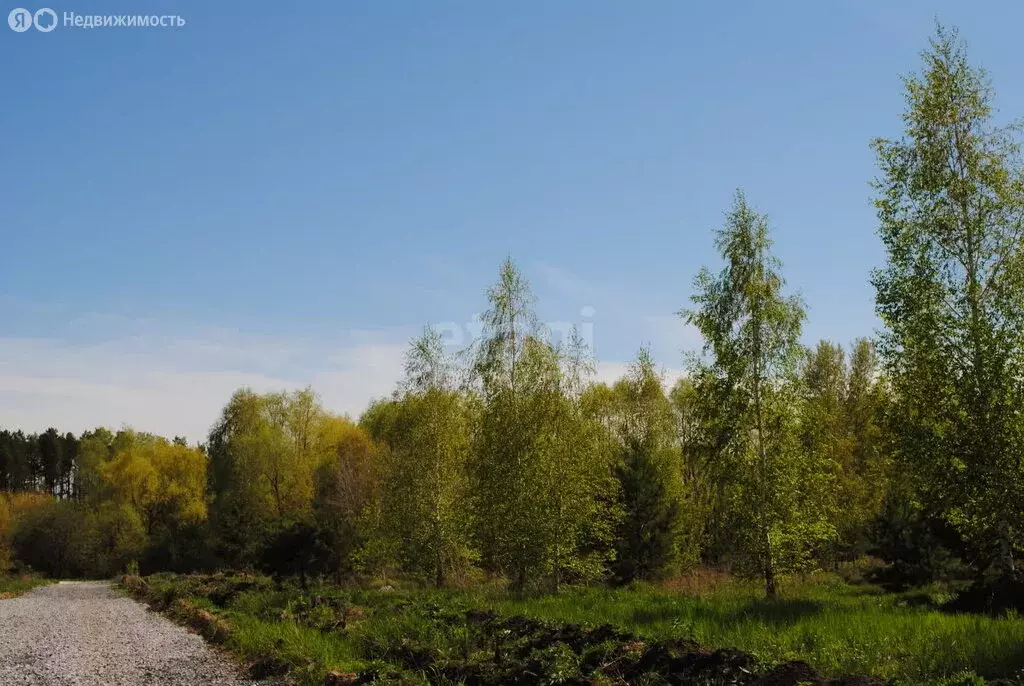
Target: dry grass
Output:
{"points": [[702, 581]]}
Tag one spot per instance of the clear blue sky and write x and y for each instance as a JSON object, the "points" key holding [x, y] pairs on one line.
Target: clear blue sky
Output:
{"points": [[280, 194]]}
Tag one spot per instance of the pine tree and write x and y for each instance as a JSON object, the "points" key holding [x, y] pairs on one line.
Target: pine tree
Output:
{"points": [[648, 470]]}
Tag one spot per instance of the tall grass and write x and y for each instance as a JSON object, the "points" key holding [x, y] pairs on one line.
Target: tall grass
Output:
{"points": [[308, 653], [837, 628]]}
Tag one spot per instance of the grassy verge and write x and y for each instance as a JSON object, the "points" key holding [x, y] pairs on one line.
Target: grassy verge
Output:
{"points": [[11, 586], [247, 616], [836, 627], [638, 635]]}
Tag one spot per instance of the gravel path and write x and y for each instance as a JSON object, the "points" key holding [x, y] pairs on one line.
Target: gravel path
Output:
{"points": [[82, 633]]}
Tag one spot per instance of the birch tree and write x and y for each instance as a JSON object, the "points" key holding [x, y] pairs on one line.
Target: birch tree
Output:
{"points": [[950, 202], [425, 434], [534, 492], [751, 342]]}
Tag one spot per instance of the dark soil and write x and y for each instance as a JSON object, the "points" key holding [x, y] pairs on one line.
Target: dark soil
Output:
{"points": [[268, 667], [529, 652]]}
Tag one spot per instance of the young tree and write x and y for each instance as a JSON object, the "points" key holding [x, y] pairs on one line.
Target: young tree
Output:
{"points": [[841, 428], [693, 414], [425, 433], [509, 369], [346, 486], [580, 474], [648, 471], [951, 217], [751, 332], [261, 470], [534, 487], [824, 434], [864, 483]]}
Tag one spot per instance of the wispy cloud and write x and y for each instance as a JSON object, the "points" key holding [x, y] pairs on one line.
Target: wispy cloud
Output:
{"points": [[98, 369], [610, 372], [177, 385], [624, 320]]}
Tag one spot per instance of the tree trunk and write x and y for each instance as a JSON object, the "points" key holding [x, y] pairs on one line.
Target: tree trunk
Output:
{"points": [[770, 590], [766, 535], [1006, 562]]}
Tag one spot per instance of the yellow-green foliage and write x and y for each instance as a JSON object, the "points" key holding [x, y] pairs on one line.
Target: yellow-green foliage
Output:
{"points": [[163, 483], [12, 507], [424, 518], [266, 449]]}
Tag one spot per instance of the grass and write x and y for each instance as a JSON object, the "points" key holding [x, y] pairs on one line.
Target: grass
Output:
{"points": [[837, 628], [306, 653], [407, 634], [11, 586], [262, 633]]}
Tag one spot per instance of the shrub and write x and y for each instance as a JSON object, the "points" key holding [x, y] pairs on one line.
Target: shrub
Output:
{"points": [[64, 538], [918, 549], [14, 506], [298, 549]]}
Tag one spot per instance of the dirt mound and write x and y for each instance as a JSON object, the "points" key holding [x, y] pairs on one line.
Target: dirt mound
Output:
{"points": [[530, 652], [268, 667], [681, 661]]}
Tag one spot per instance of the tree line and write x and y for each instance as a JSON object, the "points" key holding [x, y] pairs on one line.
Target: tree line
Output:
{"points": [[506, 458]]}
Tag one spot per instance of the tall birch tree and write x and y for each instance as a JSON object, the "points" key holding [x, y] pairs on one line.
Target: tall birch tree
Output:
{"points": [[950, 202], [751, 342]]}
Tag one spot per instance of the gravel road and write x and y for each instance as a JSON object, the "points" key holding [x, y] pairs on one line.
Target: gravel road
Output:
{"points": [[83, 633]]}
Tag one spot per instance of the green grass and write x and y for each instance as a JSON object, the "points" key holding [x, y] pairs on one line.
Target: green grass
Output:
{"points": [[11, 586], [836, 627], [307, 652], [259, 635]]}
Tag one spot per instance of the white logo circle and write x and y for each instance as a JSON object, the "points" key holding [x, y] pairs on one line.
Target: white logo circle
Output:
{"points": [[20, 19], [45, 12]]}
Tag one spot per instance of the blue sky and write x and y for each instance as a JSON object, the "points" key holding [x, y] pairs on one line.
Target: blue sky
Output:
{"points": [[276, 195]]}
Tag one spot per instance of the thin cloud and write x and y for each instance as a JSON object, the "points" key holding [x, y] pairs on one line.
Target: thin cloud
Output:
{"points": [[177, 386], [173, 379], [625, 320]]}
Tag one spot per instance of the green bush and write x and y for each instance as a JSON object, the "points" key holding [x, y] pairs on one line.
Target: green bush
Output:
{"points": [[65, 538]]}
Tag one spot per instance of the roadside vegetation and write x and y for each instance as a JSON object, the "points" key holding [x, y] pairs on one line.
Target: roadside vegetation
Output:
{"points": [[503, 477], [14, 585], [644, 634]]}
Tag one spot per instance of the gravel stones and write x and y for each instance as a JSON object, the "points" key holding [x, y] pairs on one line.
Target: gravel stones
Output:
{"points": [[82, 633]]}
